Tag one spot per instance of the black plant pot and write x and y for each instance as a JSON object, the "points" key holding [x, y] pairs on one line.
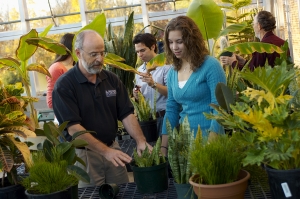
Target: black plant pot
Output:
{"points": [[12, 192], [70, 193], [151, 179], [149, 129], [284, 182]]}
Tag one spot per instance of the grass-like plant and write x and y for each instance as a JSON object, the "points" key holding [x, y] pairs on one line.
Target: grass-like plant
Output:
{"points": [[48, 177], [148, 159], [143, 108], [216, 160], [180, 143]]}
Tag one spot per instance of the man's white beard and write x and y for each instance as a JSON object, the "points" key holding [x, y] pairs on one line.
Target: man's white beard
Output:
{"points": [[90, 69]]}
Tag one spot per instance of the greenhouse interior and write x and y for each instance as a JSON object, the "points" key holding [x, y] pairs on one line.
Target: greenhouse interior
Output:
{"points": [[30, 33]]}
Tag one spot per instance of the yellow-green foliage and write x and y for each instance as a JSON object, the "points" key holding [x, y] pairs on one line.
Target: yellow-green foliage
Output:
{"points": [[217, 161], [143, 109], [148, 159]]}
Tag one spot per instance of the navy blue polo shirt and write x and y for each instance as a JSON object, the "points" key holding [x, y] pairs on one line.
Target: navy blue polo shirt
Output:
{"points": [[96, 107]]}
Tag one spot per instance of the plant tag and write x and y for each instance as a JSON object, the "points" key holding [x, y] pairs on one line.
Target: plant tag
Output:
{"points": [[286, 190]]}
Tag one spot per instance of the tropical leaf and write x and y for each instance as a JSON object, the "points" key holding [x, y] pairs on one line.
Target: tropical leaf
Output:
{"points": [[46, 30], [79, 143], [120, 65], [251, 47], [22, 147], [24, 50], [234, 28], [6, 159], [114, 57], [224, 96], [18, 130], [98, 25], [208, 16], [41, 68], [49, 45], [11, 62], [79, 173], [157, 61]]}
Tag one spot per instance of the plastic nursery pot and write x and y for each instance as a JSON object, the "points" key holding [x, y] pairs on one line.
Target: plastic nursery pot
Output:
{"points": [[151, 179], [284, 183], [149, 129], [185, 191], [108, 191]]}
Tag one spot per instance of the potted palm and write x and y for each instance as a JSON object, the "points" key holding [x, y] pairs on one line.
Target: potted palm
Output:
{"points": [[13, 152], [217, 163], [266, 122], [52, 173], [146, 117], [179, 149], [150, 170]]}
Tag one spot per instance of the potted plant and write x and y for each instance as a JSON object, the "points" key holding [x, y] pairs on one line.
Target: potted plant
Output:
{"points": [[53, 173], [150, 170], [13, 152], [266, 122], [217, 163], [146, 117], [179, 149]]}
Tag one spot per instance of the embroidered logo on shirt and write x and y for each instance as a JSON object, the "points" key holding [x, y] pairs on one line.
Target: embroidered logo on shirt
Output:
{"points": [[111, 93]]}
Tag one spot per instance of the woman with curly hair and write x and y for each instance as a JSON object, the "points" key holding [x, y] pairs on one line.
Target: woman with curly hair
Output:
{"points": [[192, 80]]}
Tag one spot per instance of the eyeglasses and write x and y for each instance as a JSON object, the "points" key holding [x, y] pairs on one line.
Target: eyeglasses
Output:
{"points": [[95, 54]]}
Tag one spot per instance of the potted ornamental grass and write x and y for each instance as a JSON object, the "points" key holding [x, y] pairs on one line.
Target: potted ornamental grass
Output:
{"points": [[52, 173], [216, 162], [150, 170], [266, 122]]}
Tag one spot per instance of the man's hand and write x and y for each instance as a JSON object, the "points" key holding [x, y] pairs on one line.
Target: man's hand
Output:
{"points": [[142, 146], [146, 77], [117, 157], [136, 89], [225, 60]]}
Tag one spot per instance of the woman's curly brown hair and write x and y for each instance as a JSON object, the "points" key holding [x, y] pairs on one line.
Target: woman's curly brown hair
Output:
{"points": [[195, 47]]}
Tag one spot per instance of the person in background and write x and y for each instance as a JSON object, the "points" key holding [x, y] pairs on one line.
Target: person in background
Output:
{"points": [[94, 99], [146, 49], [192, 80], [61, 64], [263, 24]]}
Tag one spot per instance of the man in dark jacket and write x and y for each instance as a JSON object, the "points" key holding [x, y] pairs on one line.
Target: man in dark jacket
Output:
{"points": [[263, 24]]}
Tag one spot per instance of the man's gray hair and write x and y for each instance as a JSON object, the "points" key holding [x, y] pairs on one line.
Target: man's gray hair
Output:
{"points": [[80, 38]]}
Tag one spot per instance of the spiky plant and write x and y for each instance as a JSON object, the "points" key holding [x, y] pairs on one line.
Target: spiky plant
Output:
{"points": [[179, 149], [148, 159], [143, 109]]}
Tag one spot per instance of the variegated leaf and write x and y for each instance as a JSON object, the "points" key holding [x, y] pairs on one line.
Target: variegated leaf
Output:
{"points": [[114, 57], [20, 131], [157, 61], [6, 159], [23, 148], [251, 47], [120, 65], [24, 50], [48, 44], [41, 68], [46, 30], [11, 62]]}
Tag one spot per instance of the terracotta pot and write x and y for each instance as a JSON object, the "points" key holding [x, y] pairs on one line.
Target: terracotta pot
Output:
{"points": [[233, 190]]}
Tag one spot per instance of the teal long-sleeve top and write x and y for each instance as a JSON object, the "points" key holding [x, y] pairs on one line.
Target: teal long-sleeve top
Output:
{"points": [[195, 97]]}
